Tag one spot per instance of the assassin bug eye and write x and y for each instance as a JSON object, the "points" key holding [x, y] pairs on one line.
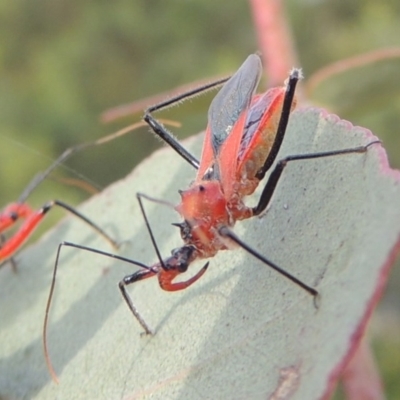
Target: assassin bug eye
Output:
{"points": [[13, 215]]}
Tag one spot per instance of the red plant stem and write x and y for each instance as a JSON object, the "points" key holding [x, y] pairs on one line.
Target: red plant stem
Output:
{"points": [[361, 380], [274, 38], [344, 65]]}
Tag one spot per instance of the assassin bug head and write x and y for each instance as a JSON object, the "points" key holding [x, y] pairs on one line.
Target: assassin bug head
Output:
{"points": [[180, 258], [11, 213]]}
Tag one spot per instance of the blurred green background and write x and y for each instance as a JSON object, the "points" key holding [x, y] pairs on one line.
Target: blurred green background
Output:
{"points": [[63, 63]]}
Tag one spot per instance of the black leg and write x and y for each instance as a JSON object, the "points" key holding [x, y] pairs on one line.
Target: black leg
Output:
{"points": [[83, 218], [11, 260], [226, 232], [164, 134], [128, 280], [146, 270], [294, 77], [147, 223], [273, 179]]}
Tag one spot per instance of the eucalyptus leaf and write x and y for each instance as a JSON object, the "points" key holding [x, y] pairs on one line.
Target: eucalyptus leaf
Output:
{"points": [[242, 331]]}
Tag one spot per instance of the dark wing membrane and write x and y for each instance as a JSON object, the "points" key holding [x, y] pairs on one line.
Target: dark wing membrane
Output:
{"points": [[255, 115], [234, 97]]}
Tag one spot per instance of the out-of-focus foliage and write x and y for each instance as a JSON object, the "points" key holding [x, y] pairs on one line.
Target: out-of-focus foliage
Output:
{"points": [[62, 63]]}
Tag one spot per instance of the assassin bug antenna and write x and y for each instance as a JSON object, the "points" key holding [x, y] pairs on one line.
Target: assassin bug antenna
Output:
{"points": [[243, 138]]}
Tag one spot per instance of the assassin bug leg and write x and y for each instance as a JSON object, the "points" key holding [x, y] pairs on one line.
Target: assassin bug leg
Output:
{"points": [[294, 77], [127, 280], [172, 267], [31, 222], [177, 263], [11, 260], [226, 232], [149, 270], [276, 173], [166, 270], [152, 238], [160, 130]]}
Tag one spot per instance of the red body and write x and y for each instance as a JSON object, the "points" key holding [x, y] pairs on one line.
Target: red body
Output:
{"points": [[8, 217], [12, 213], [228, 173]]}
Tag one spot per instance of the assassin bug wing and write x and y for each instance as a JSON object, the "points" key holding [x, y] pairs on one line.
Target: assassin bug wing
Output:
{"points": [[262, 136], [234, 97], [207, 156], [226, 110], [228, 159], [259, 136]]}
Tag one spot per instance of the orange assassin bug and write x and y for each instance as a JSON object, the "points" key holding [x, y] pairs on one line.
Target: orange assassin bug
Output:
{"points": [[244, 134]]}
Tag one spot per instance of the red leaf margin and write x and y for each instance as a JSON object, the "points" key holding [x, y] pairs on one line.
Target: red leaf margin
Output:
{"points": [[356, 338]]}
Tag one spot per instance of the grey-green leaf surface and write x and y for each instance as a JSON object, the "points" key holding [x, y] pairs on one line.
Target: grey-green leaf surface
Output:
{"points": [[242, 331]]}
